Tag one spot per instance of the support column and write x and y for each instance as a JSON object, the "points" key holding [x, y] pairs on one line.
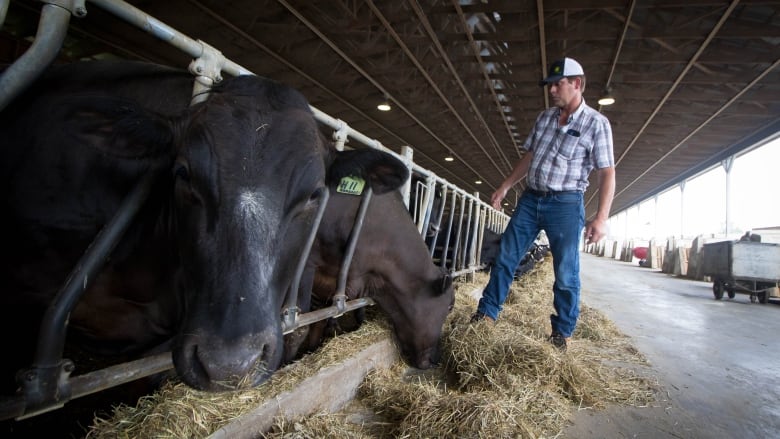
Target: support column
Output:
{"points": [[682, 208], [727, 165]]}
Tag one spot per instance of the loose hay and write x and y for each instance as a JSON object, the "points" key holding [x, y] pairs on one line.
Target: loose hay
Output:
{"points": [[178, 411], [496, 380]]}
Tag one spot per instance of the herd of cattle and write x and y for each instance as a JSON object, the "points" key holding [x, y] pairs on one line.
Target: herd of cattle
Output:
{"points": [[206, 264]]}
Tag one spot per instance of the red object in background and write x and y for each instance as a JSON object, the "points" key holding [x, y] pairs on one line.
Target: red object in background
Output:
{"points": [[640, 252]]}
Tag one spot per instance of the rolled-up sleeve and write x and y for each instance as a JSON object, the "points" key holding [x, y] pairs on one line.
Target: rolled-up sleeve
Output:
{"points": [[603, 155]]}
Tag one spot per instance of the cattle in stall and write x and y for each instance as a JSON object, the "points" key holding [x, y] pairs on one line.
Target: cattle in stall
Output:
{"points": [[436, 239], [391, 265], [417, 196], [490, 243], [435, 226], [204, 267], [535, 254]]}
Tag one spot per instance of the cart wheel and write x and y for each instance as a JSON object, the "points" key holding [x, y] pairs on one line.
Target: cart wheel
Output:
{"points": [[731, 292], [753, 298], [717, 289], [763, 297]]}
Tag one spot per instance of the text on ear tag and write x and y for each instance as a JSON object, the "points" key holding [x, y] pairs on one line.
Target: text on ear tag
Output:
{"points": [[351, 185]]}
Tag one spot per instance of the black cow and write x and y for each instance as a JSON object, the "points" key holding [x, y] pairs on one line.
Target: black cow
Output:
{"points": [[207, 261], [391, 264], [491, 242]]}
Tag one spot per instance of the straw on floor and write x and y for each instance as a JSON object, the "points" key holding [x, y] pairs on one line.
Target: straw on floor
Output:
{"points": [[496, 380]]}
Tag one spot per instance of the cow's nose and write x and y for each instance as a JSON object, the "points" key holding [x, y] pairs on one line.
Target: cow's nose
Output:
{"points": [[427, 359], [212, 364]]}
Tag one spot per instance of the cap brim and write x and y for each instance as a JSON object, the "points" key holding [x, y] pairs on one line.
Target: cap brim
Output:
{"points": [[550, 79]]}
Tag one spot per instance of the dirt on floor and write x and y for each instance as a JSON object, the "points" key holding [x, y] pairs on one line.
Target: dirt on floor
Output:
{"points": [[661, 420]]}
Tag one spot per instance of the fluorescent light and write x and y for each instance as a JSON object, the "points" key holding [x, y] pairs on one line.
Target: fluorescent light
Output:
{"points": [[606, 100]]}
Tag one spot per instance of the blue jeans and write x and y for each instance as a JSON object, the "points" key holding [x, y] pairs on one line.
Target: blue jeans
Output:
{"points": [[562, 217]]}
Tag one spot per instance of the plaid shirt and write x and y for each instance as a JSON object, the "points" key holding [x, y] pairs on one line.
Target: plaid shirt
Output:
{"points": [[565, 155]]}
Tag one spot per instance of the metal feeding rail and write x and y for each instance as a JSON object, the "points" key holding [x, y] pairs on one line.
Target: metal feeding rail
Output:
{"points": [[47, 384]]}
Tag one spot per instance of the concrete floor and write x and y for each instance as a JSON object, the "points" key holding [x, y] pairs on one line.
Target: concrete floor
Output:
{"points": [[717, 361]]}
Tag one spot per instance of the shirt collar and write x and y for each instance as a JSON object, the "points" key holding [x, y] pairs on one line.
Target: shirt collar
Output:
{"points": [[574, 115]]}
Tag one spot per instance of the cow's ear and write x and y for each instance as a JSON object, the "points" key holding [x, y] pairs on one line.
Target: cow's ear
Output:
{"points": [[118, 127], [383, 171]]}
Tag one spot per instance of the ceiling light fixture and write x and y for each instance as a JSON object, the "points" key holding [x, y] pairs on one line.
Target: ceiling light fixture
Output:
{"points": [[607, 98], [384, 105], [448, 159]]}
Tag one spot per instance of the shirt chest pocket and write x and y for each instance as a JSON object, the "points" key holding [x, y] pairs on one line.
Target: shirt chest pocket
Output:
{"points": [[574, 146]]}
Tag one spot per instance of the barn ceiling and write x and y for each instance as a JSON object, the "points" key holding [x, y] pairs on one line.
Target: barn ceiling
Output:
{"points": [[696, 81]]}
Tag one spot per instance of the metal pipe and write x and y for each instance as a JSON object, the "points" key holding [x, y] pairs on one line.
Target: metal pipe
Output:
{"points": [[430, 188], [99, 380], [446, 248], [439, 216], [308, 318], [467, 241], [291, 309], [341, 289], [483, 217], [52, 335], [423, 193], [162, 31], [3, 11], [475, 232], [463, 271], [456, 253], [52, 28], [340, 135], [45, 384], [92, 382]]}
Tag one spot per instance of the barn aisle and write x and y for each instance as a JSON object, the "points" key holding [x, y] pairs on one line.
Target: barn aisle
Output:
{"points": [[718, 361]]}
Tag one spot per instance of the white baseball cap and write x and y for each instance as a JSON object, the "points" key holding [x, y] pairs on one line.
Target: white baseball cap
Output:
{"points": [[561, 69]]}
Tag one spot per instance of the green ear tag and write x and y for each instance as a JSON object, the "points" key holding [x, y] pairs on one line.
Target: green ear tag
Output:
{"points": [[351, 185]]}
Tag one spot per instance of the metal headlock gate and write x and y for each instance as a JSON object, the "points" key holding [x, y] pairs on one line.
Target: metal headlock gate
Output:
{"points": [[47, 384]]}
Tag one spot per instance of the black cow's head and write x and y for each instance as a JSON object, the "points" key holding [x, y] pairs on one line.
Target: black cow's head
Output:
{"points": [[250, 169], [418, 314]]}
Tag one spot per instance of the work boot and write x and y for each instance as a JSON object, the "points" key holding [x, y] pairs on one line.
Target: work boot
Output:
{"points": [[559, 341], [480, 316]]}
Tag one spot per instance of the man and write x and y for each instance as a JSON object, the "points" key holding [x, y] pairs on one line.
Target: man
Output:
{"points": [[567, 142]]}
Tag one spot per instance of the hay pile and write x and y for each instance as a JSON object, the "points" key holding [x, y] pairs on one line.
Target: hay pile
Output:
{"points": [[178, 411], [497, 380]]}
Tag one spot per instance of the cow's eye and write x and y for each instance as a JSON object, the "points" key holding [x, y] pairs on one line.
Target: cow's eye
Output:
{"points": [[180, 170], [317, 194]]}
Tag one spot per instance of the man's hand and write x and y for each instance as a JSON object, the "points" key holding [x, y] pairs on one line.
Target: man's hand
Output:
{"points": [[595, 230], [498, 197]]}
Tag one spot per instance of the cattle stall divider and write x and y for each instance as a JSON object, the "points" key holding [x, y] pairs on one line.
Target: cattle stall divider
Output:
{"points": [[47, 384]]}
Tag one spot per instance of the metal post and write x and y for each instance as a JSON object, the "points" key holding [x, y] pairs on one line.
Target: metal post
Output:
{"points": [[47, 380], [439, 216], [407, 154], [52, 28], [290, 312], [446, 246], [341, 296], [727, 165]]}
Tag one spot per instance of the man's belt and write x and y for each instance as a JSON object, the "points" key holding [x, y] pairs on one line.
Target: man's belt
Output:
{"points": [[549, 193]]}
